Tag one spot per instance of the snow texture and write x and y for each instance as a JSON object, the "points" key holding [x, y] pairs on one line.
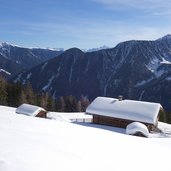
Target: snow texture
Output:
{"points": [[155, 64], [142, 83], [70, 117], [18, 62], [33, 144], [168, 78], [141, 95], [29, 75], [4, 71], [43, 67], [30, 144], [164, 61], [18, 78], [46, 87], [126, 109]]}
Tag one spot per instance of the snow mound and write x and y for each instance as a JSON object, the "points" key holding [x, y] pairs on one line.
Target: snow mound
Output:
{"points": [[70, 117], [137, 128], [3, 165], [58, 117]]}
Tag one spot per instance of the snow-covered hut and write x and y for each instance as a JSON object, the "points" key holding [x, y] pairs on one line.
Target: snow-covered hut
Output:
{"points": [[31, 110], [120, 113]]}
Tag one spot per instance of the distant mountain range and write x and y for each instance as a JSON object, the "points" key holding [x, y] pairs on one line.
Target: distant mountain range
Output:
{"points": [[14, 59], [138, 70], [95, 49]]}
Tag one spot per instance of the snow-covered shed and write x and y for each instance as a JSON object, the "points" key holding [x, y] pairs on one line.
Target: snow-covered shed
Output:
{"points": [[120, 113], [31, 110]]}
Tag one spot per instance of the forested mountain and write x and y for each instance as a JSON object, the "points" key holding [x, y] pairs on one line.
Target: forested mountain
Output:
{"points": [[14, 59], [135, 69], [14, 95]]}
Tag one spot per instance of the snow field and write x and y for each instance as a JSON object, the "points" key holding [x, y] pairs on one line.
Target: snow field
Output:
{"points": [[32, 144]]}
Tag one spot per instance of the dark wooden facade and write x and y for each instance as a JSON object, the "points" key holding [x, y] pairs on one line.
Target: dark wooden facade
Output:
{"points": [[42, 114], [118, 122]]}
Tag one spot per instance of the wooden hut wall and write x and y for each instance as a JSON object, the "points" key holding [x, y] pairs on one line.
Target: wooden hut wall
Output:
{"points": [[117, 122], [41, 114]]}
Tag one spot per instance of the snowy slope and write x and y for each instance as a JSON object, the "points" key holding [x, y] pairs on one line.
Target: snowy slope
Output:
{"points": [[33, 144]]}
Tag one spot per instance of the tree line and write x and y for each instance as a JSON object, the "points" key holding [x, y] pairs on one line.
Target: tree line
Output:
{"points": [[15, 94]]}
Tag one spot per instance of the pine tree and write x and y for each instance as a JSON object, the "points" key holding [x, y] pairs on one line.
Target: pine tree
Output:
{"points": [[14, 94], [43, 100], [30, 95], [50, 103], [79, 106], [62, 105], [71, 104], [3, 91], [84, 102], [23, 97]]}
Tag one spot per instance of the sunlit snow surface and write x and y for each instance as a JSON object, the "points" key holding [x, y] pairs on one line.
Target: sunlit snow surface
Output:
{"points": [[36, 144]]}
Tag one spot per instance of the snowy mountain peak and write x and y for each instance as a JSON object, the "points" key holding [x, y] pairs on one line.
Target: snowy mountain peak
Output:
{"points": [[2, 44], [56, 49], [6, 44], [166, 37], [96, 49]]}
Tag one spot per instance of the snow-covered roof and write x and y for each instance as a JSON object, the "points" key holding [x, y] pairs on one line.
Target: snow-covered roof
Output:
{"points": [[126, 109], [29, 110]]}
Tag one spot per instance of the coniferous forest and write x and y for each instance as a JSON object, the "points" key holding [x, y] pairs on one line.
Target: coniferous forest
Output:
{"points": [[15, 94]]}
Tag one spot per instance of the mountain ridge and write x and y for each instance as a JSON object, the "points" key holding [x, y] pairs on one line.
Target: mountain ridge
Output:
{"points": [[21, 58], [136, 69]]}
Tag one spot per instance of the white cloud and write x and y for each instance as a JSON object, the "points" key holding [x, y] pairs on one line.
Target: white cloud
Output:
{"points": [[90, 33], [145, 5]]}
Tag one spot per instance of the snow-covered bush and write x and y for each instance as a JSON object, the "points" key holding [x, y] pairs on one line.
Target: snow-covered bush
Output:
{"points": [[138, 129]]}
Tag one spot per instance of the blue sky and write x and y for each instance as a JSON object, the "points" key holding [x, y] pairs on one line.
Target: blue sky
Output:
{"points": [[82, 23]]}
